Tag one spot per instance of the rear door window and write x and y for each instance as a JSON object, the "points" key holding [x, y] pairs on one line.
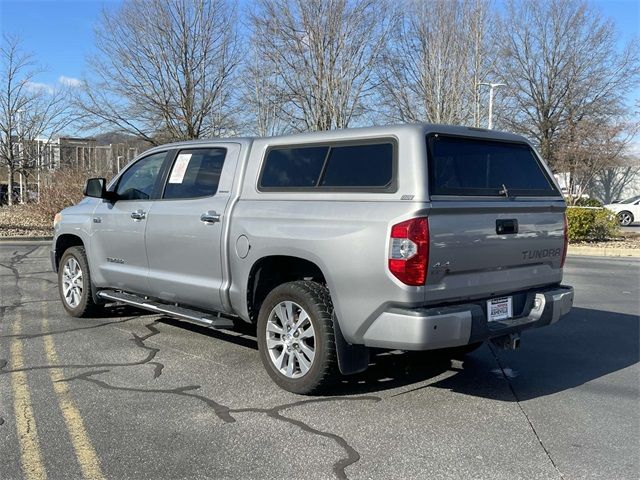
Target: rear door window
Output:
{"points": [[195, 173], [478, 167]]}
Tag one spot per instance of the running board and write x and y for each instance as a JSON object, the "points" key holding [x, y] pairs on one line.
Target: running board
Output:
{"points": [[186, 314]]}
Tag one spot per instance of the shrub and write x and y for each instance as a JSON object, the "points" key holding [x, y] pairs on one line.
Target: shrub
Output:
{"points": [[588, 202], [591, 224], [62, 189]]}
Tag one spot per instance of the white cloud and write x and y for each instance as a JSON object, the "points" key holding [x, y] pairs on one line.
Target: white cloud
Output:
{"points": [[69, 81], [38, 86]]}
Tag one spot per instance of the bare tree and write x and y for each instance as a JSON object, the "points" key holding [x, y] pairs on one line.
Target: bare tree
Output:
{"points": [[165, 69], [260, 95], [435, 61], [31, 114], [562, 67], [590, 148], [610, 184], [316, 58]]}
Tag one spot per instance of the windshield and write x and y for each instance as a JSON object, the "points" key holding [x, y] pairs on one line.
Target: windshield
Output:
{"points": [[478, 167], [631, 200]]}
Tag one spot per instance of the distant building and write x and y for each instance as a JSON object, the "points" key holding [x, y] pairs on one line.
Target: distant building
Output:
{"points": [[60, 152], [77, 153]]}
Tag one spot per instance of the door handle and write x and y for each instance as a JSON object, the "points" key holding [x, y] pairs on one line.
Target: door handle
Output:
{"points": [[210, 217], [139, 215]]}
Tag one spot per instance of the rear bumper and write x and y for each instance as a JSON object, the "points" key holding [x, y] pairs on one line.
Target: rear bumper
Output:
{"points": [[455, 325]]}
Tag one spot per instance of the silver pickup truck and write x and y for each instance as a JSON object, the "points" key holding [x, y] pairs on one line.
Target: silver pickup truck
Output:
{"points": [[413, 237]]}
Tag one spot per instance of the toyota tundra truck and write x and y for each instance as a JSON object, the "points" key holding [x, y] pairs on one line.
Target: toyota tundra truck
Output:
{"points": [[412, 237]]}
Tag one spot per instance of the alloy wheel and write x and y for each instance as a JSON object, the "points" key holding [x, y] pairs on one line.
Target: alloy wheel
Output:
{"points": [[624, 218], [290, 339], [72, 282]]}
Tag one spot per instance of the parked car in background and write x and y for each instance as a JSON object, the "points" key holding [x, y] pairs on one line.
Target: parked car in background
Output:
{"points": [[627, 211], [3, 194]]}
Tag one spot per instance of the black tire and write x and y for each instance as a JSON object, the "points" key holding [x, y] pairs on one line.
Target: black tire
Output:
{"points": [[623, 216], [86, 306], [314, 298]]}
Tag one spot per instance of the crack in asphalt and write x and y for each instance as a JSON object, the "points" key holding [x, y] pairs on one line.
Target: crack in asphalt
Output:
{"points": [[28, 336], [223, 412], [526, 416], [53, 283], [139, 341], [352, 454], [15, 260]]}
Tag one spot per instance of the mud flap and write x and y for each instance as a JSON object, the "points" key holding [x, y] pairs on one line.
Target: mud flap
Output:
{"points": [[351, 358]]}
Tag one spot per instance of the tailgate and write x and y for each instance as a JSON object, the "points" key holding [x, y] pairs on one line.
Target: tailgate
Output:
{"points": [[484, 249]]}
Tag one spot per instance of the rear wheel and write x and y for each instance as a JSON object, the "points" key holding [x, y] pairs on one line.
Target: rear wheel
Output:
{"points": [[625, 218], [296, 338], [74, 283]]}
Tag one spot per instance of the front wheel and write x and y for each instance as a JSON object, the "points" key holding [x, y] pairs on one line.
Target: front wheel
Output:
{"points": [[296, 338], [74, 283], [625, 218]]}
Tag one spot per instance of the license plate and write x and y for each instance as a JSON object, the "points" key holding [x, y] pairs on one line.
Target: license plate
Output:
{"points": [[499, 309]]}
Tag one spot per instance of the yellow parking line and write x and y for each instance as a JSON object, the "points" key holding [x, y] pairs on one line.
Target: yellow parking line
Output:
{"points": [[85, 453], [30, 455]]}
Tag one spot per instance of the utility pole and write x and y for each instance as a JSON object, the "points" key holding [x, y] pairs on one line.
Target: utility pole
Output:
{"points": [[491, 86], [21, 147]]}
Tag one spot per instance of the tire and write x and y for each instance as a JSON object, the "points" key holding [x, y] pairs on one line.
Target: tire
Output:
{"points": [[286, 355], [79, 299], [625, 218]]}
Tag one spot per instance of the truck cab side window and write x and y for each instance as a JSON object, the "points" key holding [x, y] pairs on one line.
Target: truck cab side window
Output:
{"points": [[138, 181]]}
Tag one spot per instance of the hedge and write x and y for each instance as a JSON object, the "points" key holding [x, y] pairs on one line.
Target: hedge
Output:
{"points": [[591, 224]]}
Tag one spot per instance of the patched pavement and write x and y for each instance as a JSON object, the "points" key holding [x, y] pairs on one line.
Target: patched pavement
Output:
{"points": [[135, 395]]}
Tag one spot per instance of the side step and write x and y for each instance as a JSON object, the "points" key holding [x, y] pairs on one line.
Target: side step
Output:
{"points": [[188, 315]]}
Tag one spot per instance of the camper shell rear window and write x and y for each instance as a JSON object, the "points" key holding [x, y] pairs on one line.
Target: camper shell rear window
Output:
{"points": [[463, 166]]}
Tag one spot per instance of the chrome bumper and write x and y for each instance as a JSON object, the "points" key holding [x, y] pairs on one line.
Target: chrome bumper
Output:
{"points": [[456, 325]]}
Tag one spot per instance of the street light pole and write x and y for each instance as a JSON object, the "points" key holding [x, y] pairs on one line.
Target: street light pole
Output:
{"points": [[21, 154], [491, 86]]}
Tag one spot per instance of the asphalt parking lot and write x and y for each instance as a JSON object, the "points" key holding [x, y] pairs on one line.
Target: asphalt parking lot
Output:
{"points": [[134, 395]]}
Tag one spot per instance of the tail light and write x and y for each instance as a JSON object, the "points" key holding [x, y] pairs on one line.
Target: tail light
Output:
{"points": [[409, 251], [566, 241]]}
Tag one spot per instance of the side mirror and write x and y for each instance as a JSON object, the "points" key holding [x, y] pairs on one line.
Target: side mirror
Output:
{"points": [[96, 188]]}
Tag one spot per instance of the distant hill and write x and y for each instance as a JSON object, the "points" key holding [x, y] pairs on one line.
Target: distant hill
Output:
{"points": [[109, 138]]}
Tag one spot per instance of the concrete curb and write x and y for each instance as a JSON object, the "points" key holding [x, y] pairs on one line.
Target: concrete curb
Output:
{"points": [[26, 239], [603, 251]]}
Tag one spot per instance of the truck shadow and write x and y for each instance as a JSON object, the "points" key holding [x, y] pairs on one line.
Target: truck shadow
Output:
{"points": [[585, 345]]}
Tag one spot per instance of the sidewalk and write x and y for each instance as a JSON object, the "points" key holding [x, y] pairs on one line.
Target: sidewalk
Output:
{"points": [[603, 251]]}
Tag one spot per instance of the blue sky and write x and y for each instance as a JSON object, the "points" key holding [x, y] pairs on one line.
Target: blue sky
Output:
{"points": [[60, 32]]}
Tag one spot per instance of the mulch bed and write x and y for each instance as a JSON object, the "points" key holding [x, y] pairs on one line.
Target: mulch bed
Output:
{"points": [[23, 221]]}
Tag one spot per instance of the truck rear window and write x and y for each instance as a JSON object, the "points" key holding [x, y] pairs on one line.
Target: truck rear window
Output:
{"points": [[478, 167], [332, 167]]}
